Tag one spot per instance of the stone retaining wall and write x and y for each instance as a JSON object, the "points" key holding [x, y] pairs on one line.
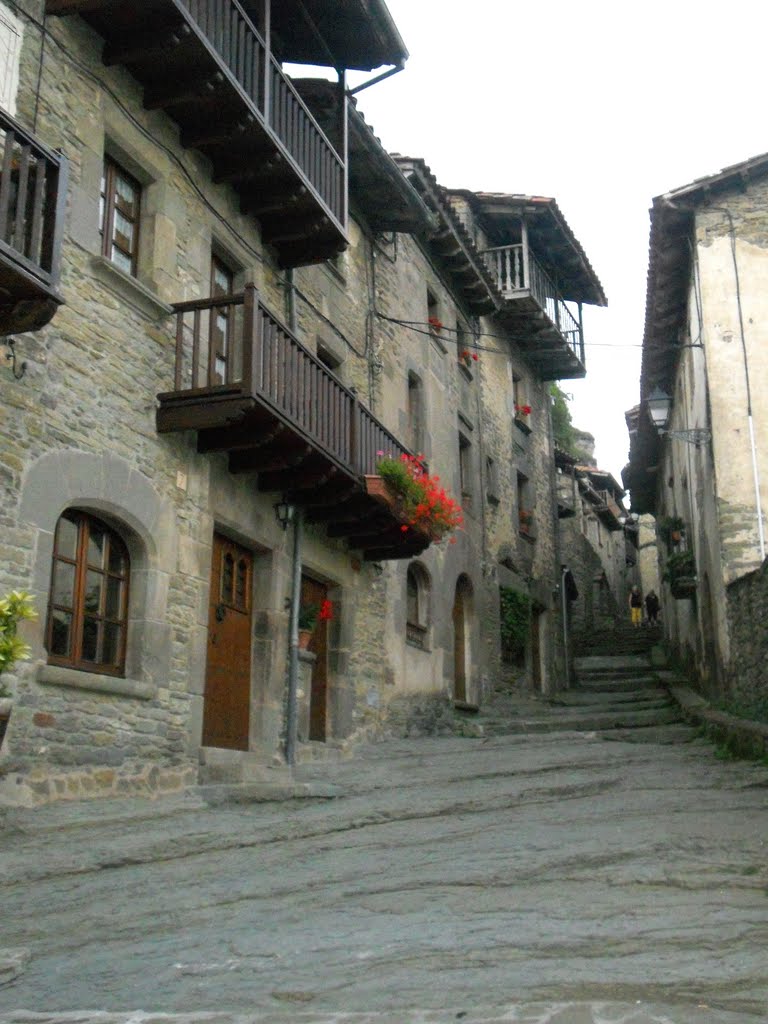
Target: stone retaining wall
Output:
{"points": [[747, 670]]}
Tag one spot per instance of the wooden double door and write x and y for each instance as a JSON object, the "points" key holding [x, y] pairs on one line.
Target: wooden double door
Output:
{"points": [[227, 701]]}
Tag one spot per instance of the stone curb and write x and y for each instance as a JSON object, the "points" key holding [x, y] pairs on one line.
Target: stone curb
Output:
{"points": [[740, 735]]}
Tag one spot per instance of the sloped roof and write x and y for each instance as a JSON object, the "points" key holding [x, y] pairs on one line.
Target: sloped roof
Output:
{"points": [[355, 34], [548, 232]]}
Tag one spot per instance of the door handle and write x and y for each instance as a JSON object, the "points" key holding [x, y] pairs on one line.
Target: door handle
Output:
{"points": [[220, 612]]}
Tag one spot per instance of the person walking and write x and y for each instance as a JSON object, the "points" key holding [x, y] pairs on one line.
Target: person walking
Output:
{"points": [[652, 605], [636, 606]]}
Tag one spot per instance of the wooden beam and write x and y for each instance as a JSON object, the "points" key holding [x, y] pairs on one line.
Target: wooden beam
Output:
{"points": [[63, 7], [217, 132], [286, 480], [173, 92], [151, 43], [269, 459]]}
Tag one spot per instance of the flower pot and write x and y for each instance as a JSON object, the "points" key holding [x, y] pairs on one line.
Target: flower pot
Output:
{"points": [[305, 636], [376, 487], [675, 536]]}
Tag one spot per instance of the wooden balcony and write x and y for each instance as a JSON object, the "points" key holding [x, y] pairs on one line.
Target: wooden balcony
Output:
{"points": [[251, 389], [205, 63], [32, 197], [544, 325]]}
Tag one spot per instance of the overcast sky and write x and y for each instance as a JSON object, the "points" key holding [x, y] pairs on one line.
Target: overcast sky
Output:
{"points": [[602, 104]]}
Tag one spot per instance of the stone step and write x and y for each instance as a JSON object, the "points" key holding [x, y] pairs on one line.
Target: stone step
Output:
{"points": [[608, 684], [611, 663], [650, 698], [596, 721]]}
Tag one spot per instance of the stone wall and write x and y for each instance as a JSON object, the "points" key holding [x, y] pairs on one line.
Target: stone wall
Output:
{"points": [[747, 670]]}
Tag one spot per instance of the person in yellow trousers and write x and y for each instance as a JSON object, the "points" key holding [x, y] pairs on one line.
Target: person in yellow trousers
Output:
{"points": [[636, 606]]}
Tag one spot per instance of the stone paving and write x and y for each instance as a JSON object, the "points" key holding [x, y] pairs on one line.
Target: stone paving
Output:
{"points": [[547, 877]]}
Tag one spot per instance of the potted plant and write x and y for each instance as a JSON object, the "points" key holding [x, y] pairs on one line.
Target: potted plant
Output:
{"points": [[419, 500], [309, 616], [13, 608], [671, 529], [466, 357], [525, 517], [522, 412], [680, 573]]}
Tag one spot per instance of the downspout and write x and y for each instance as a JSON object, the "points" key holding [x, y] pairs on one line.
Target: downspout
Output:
{"points": [[293, 651], [298, 537], [566, 624], [742, 338], [752, 444]]}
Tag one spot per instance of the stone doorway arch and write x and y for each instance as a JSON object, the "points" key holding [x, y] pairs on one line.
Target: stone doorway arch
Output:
{"points": [[463, 602]]}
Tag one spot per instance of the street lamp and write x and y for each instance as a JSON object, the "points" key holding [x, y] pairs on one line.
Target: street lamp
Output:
{"points": [[284, 512], [659, 406]]}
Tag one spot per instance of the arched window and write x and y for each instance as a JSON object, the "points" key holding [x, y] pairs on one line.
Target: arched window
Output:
{"points": [[88, 608], [417, 606]]}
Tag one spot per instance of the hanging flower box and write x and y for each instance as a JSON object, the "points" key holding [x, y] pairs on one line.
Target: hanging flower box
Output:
{"points": [[416, 498], [683, 587]]}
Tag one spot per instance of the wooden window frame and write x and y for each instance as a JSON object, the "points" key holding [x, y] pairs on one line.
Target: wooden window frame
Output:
{"points": [[218, 265], [83, 522], [111, 171], [416, 631]]}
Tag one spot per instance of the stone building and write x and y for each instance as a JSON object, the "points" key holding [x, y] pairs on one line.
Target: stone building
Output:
{"points": [[698, 458], [596, 542], [258, 302]]}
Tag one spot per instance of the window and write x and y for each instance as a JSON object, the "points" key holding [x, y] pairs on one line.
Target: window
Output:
{"points": [[417, 606], [222, 321], [88, 609], [525, 506], [119, 216], [415, 413], [465, 467], [491, 480], [10, 49]]}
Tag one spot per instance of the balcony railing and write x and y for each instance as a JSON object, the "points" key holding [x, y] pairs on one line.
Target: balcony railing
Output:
{"points": [[516, 277], [224, 25], [32, 197], [232, 346], [205, 63]]}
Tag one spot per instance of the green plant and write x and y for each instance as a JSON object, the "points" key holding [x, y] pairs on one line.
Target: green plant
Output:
{"points": [[13, 609], [425, 504], [680, 565], [515, 618], [310, 614]]}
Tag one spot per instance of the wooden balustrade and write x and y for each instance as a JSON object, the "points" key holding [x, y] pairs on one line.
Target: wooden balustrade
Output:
{"points": [[32, 195], [228, 29], [233, 345], [514, 274]]}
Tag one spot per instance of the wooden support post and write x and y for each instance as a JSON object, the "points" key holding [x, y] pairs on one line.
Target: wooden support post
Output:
{"points": [[251, 337], [267, 28]]}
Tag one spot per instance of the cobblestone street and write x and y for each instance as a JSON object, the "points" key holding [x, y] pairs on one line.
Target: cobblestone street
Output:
{"points": [[553, 877]]}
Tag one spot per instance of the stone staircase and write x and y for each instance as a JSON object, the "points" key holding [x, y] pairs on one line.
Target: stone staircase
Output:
{"points": [[617, 695]]}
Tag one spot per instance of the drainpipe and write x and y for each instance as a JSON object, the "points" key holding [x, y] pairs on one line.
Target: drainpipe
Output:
{"points": [[297, 519], [566, 631], [293, 651]]}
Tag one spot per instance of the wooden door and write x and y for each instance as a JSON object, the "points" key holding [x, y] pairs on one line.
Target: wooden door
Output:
{"points": [[227, 702], [313, 592], [459, 644]]}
